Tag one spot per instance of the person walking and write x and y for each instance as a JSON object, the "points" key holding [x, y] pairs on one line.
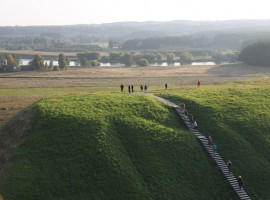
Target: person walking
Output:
{"points": [[141, 87], [166, 86], [240, 182], [229, 165], [145, 88], [214, 148], [129, 88], [195, 124], [191, 118], [132, 88], [122, 87], [210, 141], [198, 83], [186, 114]]}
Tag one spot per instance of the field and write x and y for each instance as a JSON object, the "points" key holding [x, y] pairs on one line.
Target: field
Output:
{"points": [[43, 53], [111, 147], [135, 145], [18, 90], [237, 117]]}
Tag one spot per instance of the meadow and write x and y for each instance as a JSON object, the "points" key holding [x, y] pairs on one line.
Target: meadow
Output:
{"points": [[110, 146], [88, 140], [237, 117]]}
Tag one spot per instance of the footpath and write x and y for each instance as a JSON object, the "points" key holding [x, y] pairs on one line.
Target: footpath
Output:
{"points": [[241, 193]]}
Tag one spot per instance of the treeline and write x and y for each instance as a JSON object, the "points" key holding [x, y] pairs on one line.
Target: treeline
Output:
{"points": [[134, 58], [173, 42], [210, 41], [91, 58], [134, 35], [9, 62], [49, 43], [256, 54]]}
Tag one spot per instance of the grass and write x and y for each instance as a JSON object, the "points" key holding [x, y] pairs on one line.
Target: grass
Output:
{"points": [[237, 116], [110, 146], [133, 148]]}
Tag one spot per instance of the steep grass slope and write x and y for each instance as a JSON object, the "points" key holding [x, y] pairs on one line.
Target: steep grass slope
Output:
{"points": [[237, 116], [114, 146]]}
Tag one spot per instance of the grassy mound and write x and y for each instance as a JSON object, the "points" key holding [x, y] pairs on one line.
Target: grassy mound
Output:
{"points": [[110, 147], [237, 116]]}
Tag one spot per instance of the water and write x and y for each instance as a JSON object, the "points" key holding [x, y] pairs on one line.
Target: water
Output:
{"points": [[55, 62], [112, 65], [203, 63], [73, 63]]}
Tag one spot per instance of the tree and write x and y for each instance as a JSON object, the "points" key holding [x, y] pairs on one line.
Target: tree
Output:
{"points": [[94, 63], [111, 44], [86, 57], [63, 61], [1, 61], [222, 56], [50, 65], [92, 55], [128, 59], [143, 62], [256, 54], [170, 57], [151, 58], [159, 57], [46, 67], [12, 60], [115, 57], [38, 62], [185, 57], [218, 57]]}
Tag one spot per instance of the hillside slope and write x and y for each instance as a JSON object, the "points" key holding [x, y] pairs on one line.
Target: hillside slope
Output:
{"points": [[237, 116], [114, 146]]}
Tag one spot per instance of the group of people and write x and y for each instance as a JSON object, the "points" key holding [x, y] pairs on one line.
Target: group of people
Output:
{"points": [[229, 163], [189, 116], [144, 87], [131, 88], [211, 144]]}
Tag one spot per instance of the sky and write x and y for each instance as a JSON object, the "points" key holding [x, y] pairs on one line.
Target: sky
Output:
{"points": [[69, 12]]}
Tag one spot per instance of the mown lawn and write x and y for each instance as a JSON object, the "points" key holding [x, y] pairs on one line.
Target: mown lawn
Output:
{"points": [[237, 116], [111, 146]]}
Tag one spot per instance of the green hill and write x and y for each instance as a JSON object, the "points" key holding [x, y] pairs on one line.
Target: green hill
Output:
{"points": [[237, 116], [113, 146]]}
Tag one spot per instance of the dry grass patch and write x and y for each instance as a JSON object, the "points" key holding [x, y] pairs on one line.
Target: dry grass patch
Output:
{"points": [[10, 105]]}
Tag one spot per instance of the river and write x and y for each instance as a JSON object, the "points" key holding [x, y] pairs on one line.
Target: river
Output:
{"points": [[73, 63]]}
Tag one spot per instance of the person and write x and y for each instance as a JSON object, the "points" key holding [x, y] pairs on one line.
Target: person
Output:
{"points": [[198, 83], [132, 88], [141, 87], [186, 112], [210, 141], [166, 86], [122, 87], [240, 182], [195, 124], [183, 106], [229, 165], [129, 88], [191, 118], [214, 147], [145, 88]]}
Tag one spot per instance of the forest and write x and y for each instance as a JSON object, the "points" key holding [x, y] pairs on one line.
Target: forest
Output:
{"points": [[211, 35]]}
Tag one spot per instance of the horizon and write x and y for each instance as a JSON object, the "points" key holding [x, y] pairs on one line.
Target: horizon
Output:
{"points": [[149, 21], [83, 12]]}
